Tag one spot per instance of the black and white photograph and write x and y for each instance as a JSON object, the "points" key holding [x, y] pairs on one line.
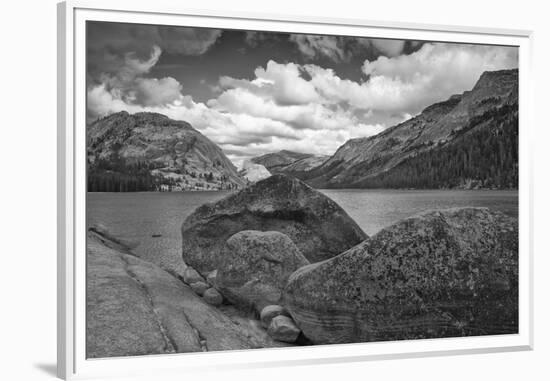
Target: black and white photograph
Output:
{"points": [[264, 189]]}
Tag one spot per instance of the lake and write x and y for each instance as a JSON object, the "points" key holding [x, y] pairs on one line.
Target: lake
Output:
{"points": [[139, 216]]}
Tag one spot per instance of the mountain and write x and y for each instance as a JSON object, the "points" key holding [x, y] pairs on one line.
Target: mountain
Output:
{"points": [[289, 162], [468, 141], [149, 151]]}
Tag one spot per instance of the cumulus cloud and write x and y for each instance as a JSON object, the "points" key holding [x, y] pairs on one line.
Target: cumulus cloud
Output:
{"points": [[387, 47], [434, 72], [119, 54], [153, 91], [408, 83], [249, 117], [128, 83], [120, 57]]}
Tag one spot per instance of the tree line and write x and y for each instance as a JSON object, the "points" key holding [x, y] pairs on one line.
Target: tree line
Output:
{"points": [[116, 175]]}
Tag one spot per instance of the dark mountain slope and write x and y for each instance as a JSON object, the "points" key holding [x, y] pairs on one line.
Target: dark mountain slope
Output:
{"points": [[469, 140]]}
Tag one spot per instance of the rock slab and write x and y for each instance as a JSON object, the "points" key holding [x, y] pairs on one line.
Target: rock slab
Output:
{"points": [[256, 266], [439, 274], [317, 225], [134, 307]]}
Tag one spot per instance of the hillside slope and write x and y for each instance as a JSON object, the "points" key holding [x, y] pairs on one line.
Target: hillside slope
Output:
{"points": [[467, 141], [147, 151]]}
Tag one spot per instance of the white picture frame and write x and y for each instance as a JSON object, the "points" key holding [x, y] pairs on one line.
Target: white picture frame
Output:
{"points": [[72, 362]]}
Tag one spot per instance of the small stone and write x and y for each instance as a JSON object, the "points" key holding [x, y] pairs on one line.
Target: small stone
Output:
{"points": [[190, 276], [283, 328], [199, 287], [271, 311], [211, 278], [213, 297]]}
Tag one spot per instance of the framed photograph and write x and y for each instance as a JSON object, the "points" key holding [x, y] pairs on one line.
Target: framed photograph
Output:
{"points": [[250, 190]]}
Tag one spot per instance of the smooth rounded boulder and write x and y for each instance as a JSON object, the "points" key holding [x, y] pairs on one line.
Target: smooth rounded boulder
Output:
{"points": [[271, 311], [317, 225], [190, 276], [213, 297], [282, 328], [256, 266], [443, 273]]}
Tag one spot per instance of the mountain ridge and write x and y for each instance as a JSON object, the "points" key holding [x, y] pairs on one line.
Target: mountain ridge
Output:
{"points": [[487, 112]]}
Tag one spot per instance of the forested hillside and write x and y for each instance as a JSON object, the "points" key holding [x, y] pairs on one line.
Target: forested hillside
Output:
{"points": [[468, 141]]}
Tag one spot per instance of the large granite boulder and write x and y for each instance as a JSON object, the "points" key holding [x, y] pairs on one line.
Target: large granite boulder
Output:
{"points": [[255, 267], [439, 274], [317, 225]]}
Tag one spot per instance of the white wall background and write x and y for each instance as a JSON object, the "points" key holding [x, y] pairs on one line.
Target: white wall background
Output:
{"points": [[28, 188]]}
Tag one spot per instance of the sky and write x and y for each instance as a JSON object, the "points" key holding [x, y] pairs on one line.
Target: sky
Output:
{"points": [[259, 92]]}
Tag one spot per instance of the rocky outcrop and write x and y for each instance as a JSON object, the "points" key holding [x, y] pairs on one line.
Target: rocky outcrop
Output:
{"points": [[134, 307], [439, 274], [317, 225], [255, 267]]}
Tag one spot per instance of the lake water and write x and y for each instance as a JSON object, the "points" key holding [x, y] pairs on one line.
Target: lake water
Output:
{"points": [[139, 216]]}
